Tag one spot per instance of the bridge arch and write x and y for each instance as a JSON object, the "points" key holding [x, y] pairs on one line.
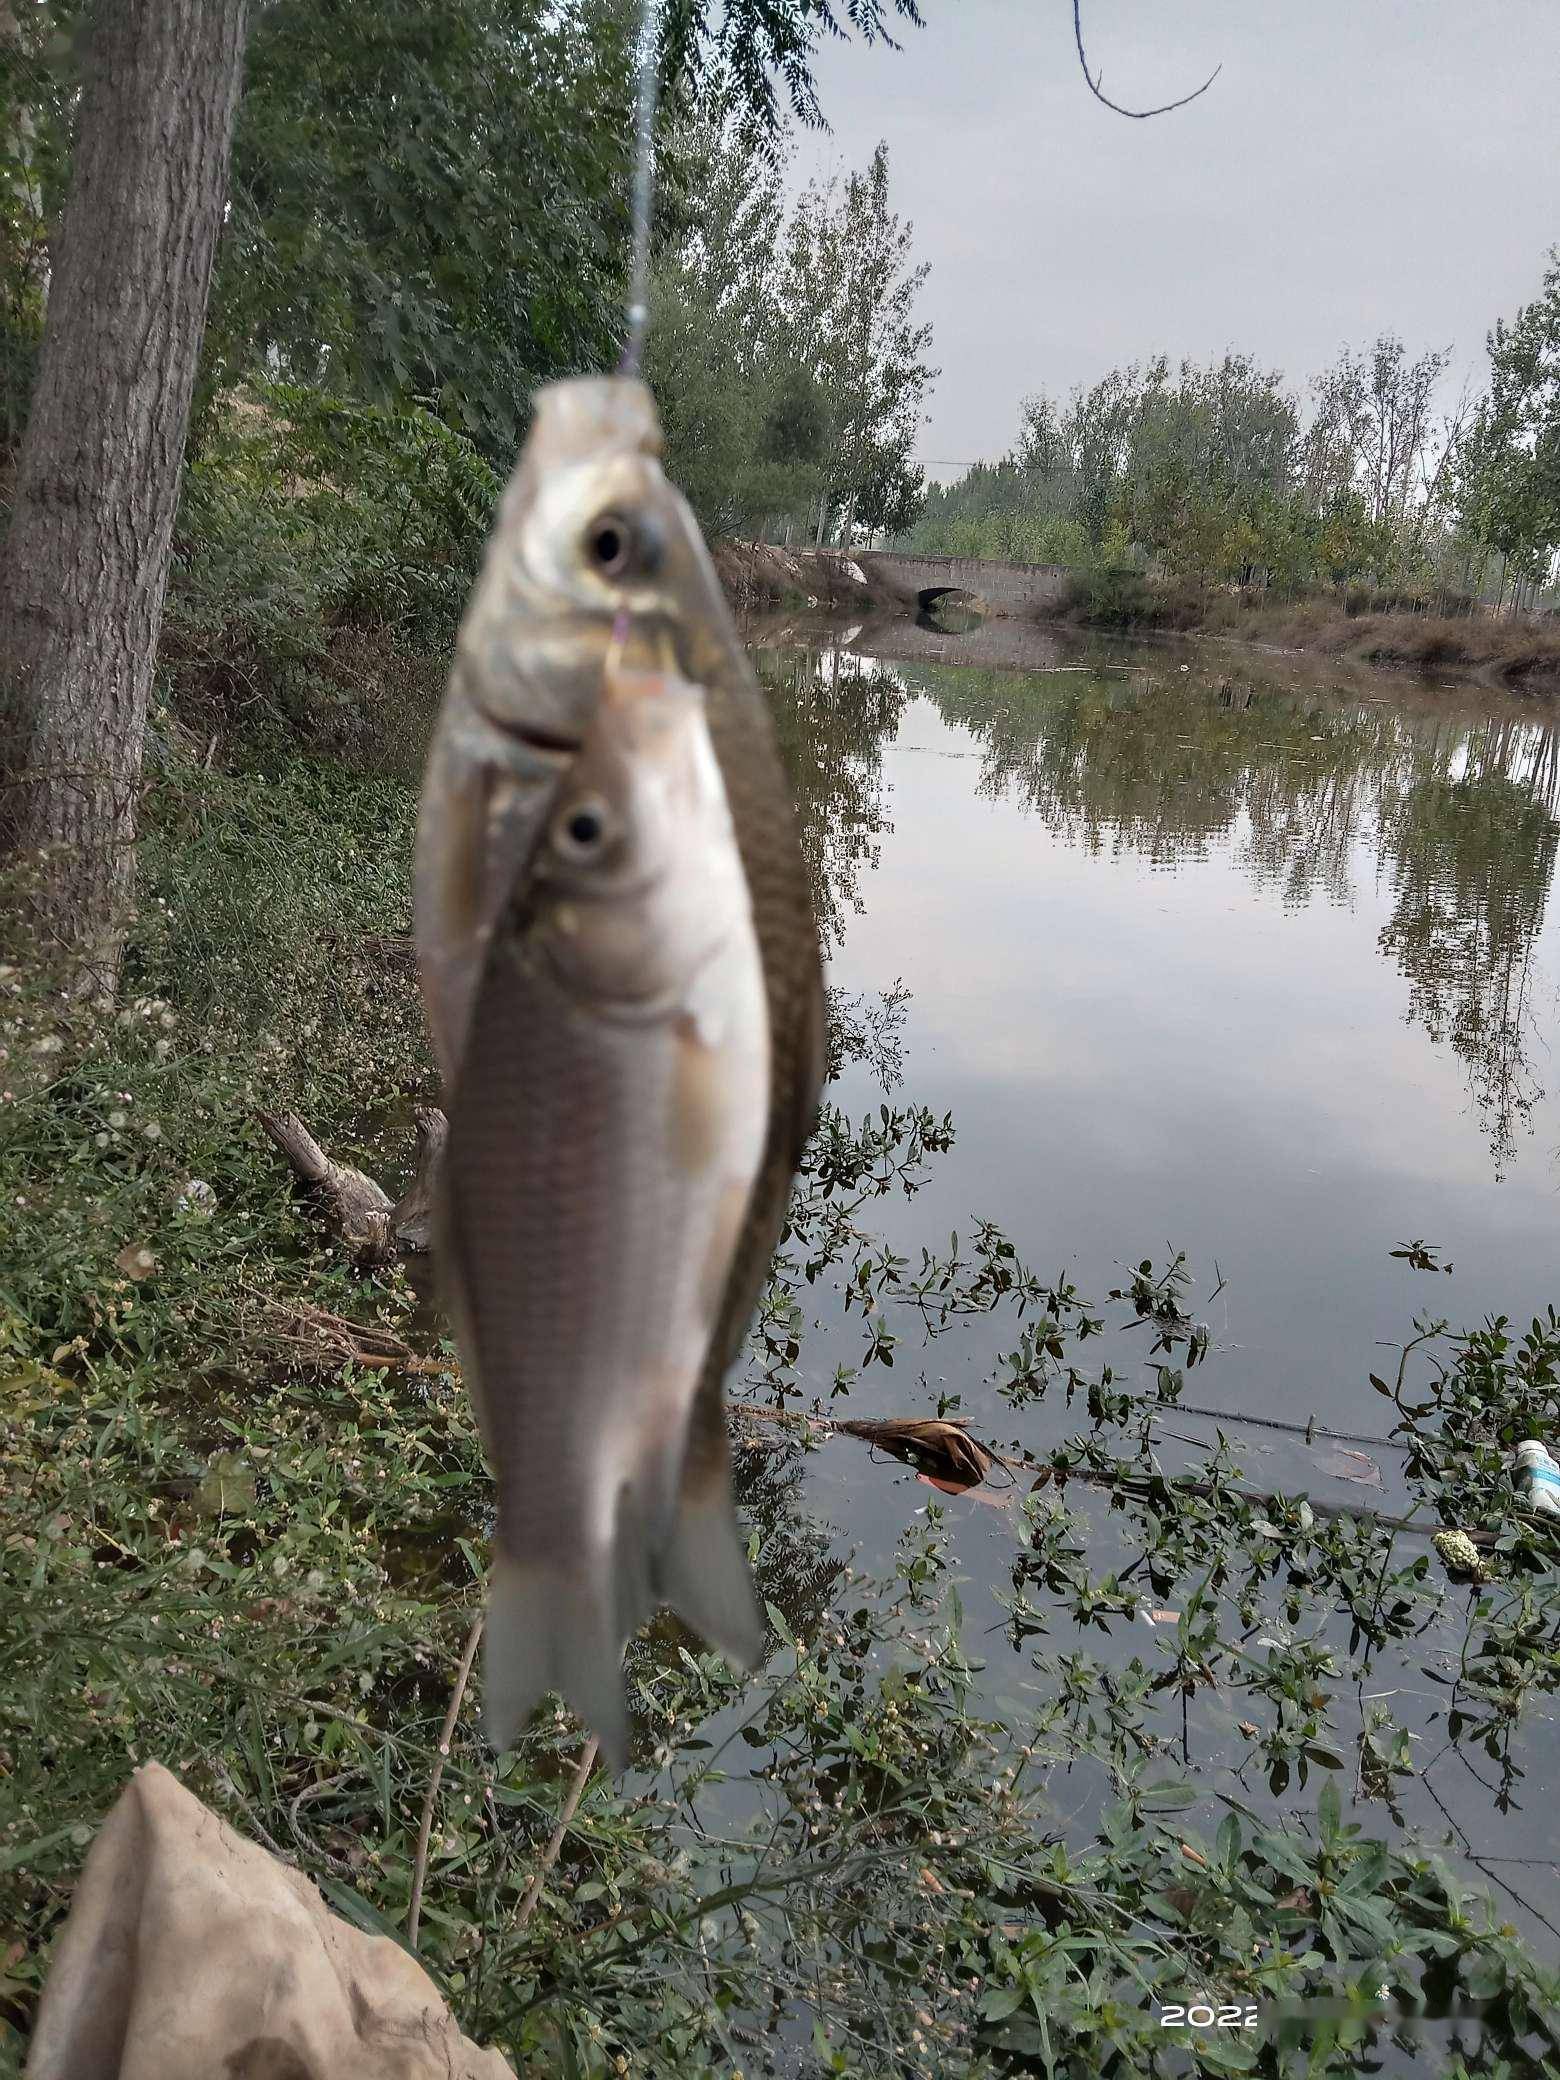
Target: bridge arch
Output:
{"points": [[931, 597]]}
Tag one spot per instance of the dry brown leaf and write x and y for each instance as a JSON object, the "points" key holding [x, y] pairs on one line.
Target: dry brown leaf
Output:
{"points": [[1194, 1856], [933, 1444], [994, 1498], [136, 1261], [932, 1882]]}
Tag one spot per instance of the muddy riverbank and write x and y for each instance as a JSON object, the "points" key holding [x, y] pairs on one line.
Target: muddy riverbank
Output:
{"points": [[1522, 656]]}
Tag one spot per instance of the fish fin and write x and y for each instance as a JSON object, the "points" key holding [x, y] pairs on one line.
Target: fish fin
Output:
{"points": [[550, 1627], [704, 1574], [640, 1526]]}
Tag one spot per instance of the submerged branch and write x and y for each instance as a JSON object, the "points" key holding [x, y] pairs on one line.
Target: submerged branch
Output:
{"points": [[944, 1450]]}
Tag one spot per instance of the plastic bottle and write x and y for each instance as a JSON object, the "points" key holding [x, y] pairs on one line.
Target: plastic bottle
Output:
{"points": [[1538, 1476]]}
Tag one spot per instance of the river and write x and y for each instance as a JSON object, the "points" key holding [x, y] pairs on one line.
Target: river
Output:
{"points": [[1203, 951]]}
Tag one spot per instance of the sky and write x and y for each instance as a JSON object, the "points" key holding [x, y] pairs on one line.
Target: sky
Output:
{"points": [[1358, 166]]}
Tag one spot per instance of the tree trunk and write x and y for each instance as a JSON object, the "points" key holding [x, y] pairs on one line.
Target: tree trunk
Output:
{"points": [[86, 559]]}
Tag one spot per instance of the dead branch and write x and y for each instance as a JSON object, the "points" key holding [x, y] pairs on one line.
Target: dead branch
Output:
{"points": [[430, 1798], [533, 1891], [1138, 115], [358, 1208], [313, 1334], [362, 1213], [411, 1219]]}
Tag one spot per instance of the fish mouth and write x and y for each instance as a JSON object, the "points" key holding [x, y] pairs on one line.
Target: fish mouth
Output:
{"points": [[551, 743]]}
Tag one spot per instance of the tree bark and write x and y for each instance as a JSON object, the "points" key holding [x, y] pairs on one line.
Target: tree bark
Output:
{"points": [[85, 565]]}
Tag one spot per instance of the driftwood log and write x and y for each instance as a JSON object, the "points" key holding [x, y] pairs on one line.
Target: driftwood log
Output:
{"points": [[374, 1226]]}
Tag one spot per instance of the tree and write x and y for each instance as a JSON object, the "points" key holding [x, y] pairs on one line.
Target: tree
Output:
{"points": [[430, 204], [1210, 473], [1508, 466], [848, 291], [782, 349], [34, 97], [738, 416], [1375, 436], [86, 554], [754, 42]]}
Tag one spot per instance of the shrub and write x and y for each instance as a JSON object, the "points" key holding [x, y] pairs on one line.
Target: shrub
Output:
{"points": [[322, 558]]}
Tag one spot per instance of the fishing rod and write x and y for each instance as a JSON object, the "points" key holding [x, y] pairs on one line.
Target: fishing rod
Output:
{"points": [[644, 184]]}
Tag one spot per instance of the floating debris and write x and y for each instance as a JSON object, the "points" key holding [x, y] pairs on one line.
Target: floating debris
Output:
{"points": [[1537, 1474]]}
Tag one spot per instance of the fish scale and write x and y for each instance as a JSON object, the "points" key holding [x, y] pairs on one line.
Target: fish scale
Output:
{"points": [[541, 1189]]}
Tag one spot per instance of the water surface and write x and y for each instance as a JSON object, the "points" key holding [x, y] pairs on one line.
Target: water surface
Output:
{"points": [[1200, 954], [1205, 951]]}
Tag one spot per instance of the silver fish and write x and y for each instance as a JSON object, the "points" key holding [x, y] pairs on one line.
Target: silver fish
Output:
{"points": [[590, 530], [601, 1158]]}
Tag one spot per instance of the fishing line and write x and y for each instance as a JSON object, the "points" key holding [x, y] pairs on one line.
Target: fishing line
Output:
{"points": [[644, 183]]}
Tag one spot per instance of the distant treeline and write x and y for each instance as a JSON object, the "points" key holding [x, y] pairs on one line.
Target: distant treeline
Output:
{"points": [[1223, 475]]}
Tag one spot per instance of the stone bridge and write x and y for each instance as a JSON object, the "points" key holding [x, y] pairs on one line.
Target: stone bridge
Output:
{"points": [[916, 582]]}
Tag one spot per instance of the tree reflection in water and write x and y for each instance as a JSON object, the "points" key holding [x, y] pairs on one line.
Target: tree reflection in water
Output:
{"points": [[1312, 789], [835, 713]]}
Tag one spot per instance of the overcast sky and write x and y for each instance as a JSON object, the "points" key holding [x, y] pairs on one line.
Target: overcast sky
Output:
{"points": [[1358, 166]]}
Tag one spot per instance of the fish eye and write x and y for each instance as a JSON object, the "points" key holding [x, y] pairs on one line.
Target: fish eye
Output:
{"points": [[610, 543], [622, 548], [581, 831]]}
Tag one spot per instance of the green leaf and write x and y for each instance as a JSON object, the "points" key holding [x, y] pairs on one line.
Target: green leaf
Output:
{"points": [[1329, 1811], [1171, 1797], [1002, 2001]]}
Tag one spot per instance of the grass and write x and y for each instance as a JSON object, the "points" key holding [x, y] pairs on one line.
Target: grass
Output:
{"points": [[258, 1564]]}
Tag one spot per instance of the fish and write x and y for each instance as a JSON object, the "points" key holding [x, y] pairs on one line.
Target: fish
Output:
{"points": [[595, 572], [608, 1133]]}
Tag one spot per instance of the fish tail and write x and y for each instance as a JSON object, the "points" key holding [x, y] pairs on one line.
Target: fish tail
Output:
{"points": [[554, 1627], [704, 1574]]}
